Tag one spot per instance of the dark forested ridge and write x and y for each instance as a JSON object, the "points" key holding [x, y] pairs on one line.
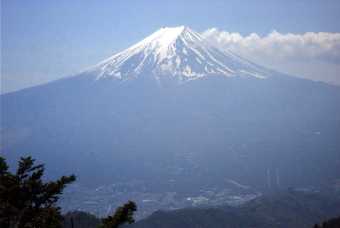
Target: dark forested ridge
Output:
{"points": [[290, 209], [331, 223]]}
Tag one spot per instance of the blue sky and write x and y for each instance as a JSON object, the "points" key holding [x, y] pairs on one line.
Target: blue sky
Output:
{"points": [[46, 40]]}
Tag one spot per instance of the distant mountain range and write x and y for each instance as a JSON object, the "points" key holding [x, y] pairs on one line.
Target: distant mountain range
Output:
{"points": [[286, 209], [177, 112], [293, 209]]}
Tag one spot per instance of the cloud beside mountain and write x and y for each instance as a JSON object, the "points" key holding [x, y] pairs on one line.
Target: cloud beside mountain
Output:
{"points": [[310, 55]]}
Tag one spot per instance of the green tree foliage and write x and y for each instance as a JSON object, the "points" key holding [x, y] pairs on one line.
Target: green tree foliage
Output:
{"points": [[80, 219], [25, 200], [123, 215]]}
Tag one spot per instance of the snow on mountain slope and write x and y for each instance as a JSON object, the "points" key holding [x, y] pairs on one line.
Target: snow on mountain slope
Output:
{"points": [[179, 53]]}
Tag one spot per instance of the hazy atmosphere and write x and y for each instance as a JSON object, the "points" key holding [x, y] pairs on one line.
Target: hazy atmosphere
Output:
{"points": [[170, 114]]}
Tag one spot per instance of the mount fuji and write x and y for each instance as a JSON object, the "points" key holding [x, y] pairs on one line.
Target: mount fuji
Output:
{"points": [[180, 114], [179, 52]]}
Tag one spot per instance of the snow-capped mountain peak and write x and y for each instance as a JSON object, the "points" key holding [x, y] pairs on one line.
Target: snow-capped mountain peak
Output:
{"points": [[176, 52]]}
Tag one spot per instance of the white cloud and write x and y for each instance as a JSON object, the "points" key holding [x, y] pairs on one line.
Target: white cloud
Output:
{"points": [[311, 55]]}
